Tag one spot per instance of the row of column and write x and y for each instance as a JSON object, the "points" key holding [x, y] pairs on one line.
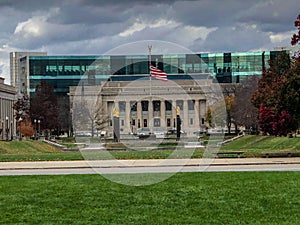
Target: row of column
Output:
{"points": [[136, 114]]}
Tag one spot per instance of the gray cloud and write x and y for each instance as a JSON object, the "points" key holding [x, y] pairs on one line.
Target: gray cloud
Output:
{"points": [[272, 16], [226, 39]]}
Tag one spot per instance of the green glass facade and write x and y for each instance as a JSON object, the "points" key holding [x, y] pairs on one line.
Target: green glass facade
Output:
{"points": [[65, 71]]}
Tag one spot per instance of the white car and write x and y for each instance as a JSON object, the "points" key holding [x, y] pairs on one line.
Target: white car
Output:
{"points": [[143, 132]]}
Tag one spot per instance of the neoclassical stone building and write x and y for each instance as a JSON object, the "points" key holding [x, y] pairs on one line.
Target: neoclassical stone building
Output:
{"points": [[144, 104]]}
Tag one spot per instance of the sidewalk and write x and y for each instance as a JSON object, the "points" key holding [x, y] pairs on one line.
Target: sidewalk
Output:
{"points": [[146, 163]]}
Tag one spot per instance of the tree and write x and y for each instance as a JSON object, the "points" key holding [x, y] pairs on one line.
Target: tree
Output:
{"points": [[208, 117], [296, 37], [229, 92], [271, 82], [89, 114], [243, 112], [102, 119], [43, 107], [26, 127], [278, 93], [22, 107], [272, 123]]}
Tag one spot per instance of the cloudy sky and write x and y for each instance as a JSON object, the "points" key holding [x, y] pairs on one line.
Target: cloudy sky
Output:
{"points": [[96, 26]]}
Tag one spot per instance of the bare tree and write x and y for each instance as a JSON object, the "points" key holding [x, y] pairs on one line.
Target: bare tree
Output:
{"points": [[229, 92], [243, 111], [89, 114], [101, 117]]}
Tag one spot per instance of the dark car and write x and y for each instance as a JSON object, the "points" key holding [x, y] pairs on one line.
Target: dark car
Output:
{"points": [[174, 131]]}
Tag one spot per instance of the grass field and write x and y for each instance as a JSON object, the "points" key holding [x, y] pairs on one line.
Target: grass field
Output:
{"points": [[33, 151], [253, 146], [187, 198]]}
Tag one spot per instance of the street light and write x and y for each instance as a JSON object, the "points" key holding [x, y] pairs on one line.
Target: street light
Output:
{"points": [[11, 131], [7, 128], [34, 129], [39, 131]]}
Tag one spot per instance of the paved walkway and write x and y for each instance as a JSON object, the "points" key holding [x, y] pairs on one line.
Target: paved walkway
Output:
{"points": [[149, 166], [146, 162]]}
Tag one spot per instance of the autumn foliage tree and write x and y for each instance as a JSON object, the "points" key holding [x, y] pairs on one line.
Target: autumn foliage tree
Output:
{"points": [[26, 127], [296, 36], [276, 116], [278, 94]]}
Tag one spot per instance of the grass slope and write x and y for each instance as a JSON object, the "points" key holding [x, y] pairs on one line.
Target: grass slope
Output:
{"points": [[254, 145], [33, 150], [230, 198]]}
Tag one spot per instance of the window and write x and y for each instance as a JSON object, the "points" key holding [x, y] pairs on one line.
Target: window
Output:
{"points": [[191, 104], [133, 106], [168, 105], [156, 106], [145, 123], [191, 121], [156, 122], [133, 122], [168, 122], [180, 104], [122, 106], [145, 105], [122, 123]]}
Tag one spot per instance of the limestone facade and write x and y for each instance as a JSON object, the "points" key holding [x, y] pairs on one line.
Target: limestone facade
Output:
{"points": [[145, 104]]}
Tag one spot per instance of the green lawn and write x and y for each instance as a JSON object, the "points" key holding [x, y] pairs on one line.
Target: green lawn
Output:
{"points": [[187, 198], [253, 146], [33, 151]]}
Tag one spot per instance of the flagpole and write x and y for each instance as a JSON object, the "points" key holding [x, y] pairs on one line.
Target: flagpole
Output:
{"points": [[150, 48], [150, 101]]}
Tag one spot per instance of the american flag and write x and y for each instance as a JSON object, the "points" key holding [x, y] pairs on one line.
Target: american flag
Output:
{"points": [[158, 74]]}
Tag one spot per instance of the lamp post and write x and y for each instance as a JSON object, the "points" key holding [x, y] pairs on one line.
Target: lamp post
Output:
{"points": [[11, 131], [39, 128], [6, 127], [34, 129]]}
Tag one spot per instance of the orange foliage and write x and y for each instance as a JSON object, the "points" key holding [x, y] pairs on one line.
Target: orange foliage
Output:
{"points": [[26, 127]]}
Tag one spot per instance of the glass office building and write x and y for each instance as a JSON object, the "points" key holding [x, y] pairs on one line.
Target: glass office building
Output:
{"points": [[65, 71]]}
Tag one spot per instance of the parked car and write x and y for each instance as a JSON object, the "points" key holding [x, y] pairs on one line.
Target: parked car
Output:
{"points": [[174, 131], [200, 132], [142, 132]]}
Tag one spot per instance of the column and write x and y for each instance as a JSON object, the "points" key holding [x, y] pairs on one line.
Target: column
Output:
{"points": [[127, 117], [197, 114], [139, 115], [150, 115], [185, 115], [173, 116], [202, 110], [163, 114]]}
